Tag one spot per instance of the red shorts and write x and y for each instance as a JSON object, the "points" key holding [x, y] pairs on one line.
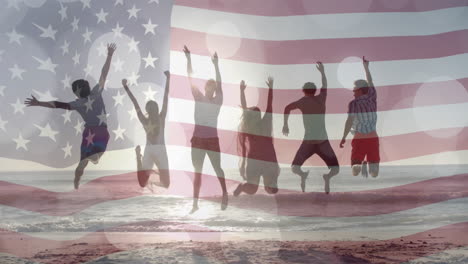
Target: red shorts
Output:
{"points": [[365, 146]]}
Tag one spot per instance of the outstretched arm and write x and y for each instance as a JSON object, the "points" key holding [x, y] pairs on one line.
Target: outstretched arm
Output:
{"points": [[288, 110], [219, 90], [321, 69], [242, 94], [140, 115], [105, 69], [52, 104], [195, 92], [166, 95], [347, 129]]}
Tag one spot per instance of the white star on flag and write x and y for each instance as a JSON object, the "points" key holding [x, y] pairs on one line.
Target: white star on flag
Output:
{"points": [[118, 65], [149, 94], [3, 123], [76, 58], [117, 31], [149, 27], [149, 60], [133, 79], [47, 131], [89, 104], [133, 12], [45, 96], [102, 50], [103, 117], [118, 2], [118, 99], [66, 116], [14, 37], [86, 3], [79, 126], [74, 24], [16, 72], [87, 36], [119, 133], [46, 65], [63, 12], [133, 114], [48, 32], [66, 82], [18, 106], [88, 70], [133, 45], [65, 47], [67, 149], [21, 142], [89, 138], [101, 16]]}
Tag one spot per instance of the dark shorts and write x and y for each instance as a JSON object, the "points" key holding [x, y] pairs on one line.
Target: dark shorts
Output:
{"points": [[90, 144], [211, 144], [323, 149], [365, 146]]}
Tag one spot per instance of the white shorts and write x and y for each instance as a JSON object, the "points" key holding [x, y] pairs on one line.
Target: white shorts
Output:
{"points": [[155, 155]]}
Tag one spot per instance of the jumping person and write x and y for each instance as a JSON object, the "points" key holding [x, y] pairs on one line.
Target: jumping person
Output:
{"points": [[362, 121], [90, 106], [315, 137], [205, 140], [155, 150], [258, 155]]}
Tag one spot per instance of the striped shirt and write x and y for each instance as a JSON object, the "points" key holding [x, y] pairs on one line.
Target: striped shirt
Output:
{"points": [[364, 110]]}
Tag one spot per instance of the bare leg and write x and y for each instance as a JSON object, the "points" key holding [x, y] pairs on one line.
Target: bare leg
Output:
{"points": [[142, 174], [374, 169], [79, 172], [215, 158], [303, 174], [326, 177], [198, 157]]}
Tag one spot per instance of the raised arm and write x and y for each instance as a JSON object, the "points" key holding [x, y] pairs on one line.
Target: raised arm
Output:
{"points": [[242, 94], [269, 83], [195, 92], [287, 111], [372, 92], [140, 115], [321, 69], [52, 104], [166, 95], [219, 90], [105, 69]]}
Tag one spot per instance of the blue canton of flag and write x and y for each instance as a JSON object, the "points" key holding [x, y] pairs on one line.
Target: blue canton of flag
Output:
{"points": [[46, 45]]}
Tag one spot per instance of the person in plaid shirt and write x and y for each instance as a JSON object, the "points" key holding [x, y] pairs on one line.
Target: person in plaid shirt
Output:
{"points": [[361, 122]]}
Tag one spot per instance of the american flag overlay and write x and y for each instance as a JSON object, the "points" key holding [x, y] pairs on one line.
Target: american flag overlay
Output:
{"points": [[414, 211]]}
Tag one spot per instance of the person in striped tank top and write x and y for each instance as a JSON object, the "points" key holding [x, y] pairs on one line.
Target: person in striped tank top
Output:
{"points": [[361, 122]]}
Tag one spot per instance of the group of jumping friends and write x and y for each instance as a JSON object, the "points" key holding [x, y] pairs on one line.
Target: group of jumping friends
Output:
{"points": [[255, 141]]}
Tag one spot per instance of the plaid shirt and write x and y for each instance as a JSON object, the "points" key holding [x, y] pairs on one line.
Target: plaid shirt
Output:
{"points": [[364, 110]]}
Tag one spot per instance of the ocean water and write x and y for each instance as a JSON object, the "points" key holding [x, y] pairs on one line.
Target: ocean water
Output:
{"points": [[260, 213]]}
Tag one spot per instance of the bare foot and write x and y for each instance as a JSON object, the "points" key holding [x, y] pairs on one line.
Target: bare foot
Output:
{"points": [[224, 202], [304, 176], [138, 151], [238, 190], [77, 182], [194, 209], [326, 178]]}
